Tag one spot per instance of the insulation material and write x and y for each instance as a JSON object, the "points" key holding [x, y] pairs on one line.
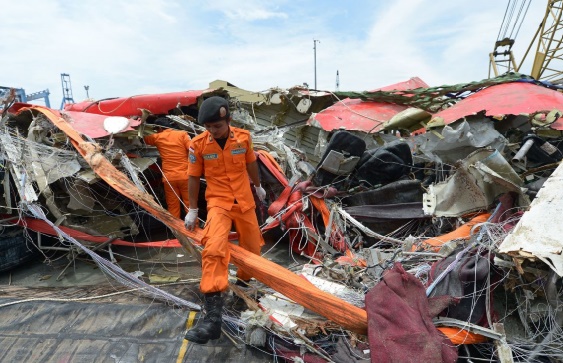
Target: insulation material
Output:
{"points": [[539, 231], [47, 164], [340, 290], [52, 163]]}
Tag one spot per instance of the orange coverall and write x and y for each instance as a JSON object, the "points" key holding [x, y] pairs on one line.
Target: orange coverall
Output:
{"points": [[227, 180], [173, 146]]}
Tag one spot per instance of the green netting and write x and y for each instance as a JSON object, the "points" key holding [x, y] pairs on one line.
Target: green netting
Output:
{"points": [[433, 99]]}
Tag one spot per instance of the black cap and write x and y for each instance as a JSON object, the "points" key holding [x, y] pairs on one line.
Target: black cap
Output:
{"points": [[213, 109]]}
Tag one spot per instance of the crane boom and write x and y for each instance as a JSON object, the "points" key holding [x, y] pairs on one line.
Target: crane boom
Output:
{"points": [[547, 41], [548, 59]]}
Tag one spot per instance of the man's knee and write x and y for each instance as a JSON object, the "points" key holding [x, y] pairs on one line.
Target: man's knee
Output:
{"points": [[214, 247]]}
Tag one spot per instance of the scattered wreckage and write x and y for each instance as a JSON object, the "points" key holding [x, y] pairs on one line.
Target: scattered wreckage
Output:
{"points": [[419, 218]]}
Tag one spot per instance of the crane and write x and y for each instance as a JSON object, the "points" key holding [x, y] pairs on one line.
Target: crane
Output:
{"points": [[548, 57], [67, 90], [21, 96]]}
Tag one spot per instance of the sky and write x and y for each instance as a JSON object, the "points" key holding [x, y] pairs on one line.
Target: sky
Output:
{"points": [[122, 48]]}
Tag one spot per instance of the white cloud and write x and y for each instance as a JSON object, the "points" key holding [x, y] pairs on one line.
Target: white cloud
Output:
{"points": [[123, 48], [249, 10], [253, 14]]}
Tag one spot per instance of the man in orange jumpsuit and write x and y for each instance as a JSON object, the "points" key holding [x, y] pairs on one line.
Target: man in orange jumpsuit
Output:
{"points": [[224, 155], [173, 146]]}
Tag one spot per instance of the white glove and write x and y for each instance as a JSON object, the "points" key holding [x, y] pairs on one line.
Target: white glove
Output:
{"points": [[191, 219], [261, 193]]}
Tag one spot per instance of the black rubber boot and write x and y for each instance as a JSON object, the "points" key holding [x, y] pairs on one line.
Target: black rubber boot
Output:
{"points": [[210, 327]]}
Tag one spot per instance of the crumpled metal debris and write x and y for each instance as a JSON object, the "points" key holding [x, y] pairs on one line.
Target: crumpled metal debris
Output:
{"points": [[478, 180], [458, 167]]}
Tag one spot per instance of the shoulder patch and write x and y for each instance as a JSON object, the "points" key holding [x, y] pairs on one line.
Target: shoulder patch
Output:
{"points": [[192, 158]]}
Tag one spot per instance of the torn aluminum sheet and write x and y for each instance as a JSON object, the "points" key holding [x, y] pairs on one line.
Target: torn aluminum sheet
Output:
{"points": [[539, 230], [478, 180], [281, 308], [338, 163], [454, 142], [433, 99], [20, 151], [355, 114], [284, 109], [280, 111]]}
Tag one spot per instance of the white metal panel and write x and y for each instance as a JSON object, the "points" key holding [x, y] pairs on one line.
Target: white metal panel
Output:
{"points": [[540, 230]]}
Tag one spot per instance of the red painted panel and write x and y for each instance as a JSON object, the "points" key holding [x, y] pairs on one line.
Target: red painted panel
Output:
{"points": [[130, 106], [412, 83], [92, 125], [507, 99], [367, 116]]}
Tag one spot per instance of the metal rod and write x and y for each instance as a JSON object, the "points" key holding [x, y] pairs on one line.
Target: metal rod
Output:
{"points": [[9, 220], [523, 151], [41, 247], [315, 54]]}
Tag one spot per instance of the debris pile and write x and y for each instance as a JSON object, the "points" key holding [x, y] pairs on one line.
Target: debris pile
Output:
{"points": [[422, 222]]}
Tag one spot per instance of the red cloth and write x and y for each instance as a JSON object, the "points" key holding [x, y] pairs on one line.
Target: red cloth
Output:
{"points": [[400, 327]]}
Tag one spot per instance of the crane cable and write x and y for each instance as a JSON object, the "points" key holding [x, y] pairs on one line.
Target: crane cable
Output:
{"points": [[503, 22], [523, 17], [507, 19], [512, 4]]}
